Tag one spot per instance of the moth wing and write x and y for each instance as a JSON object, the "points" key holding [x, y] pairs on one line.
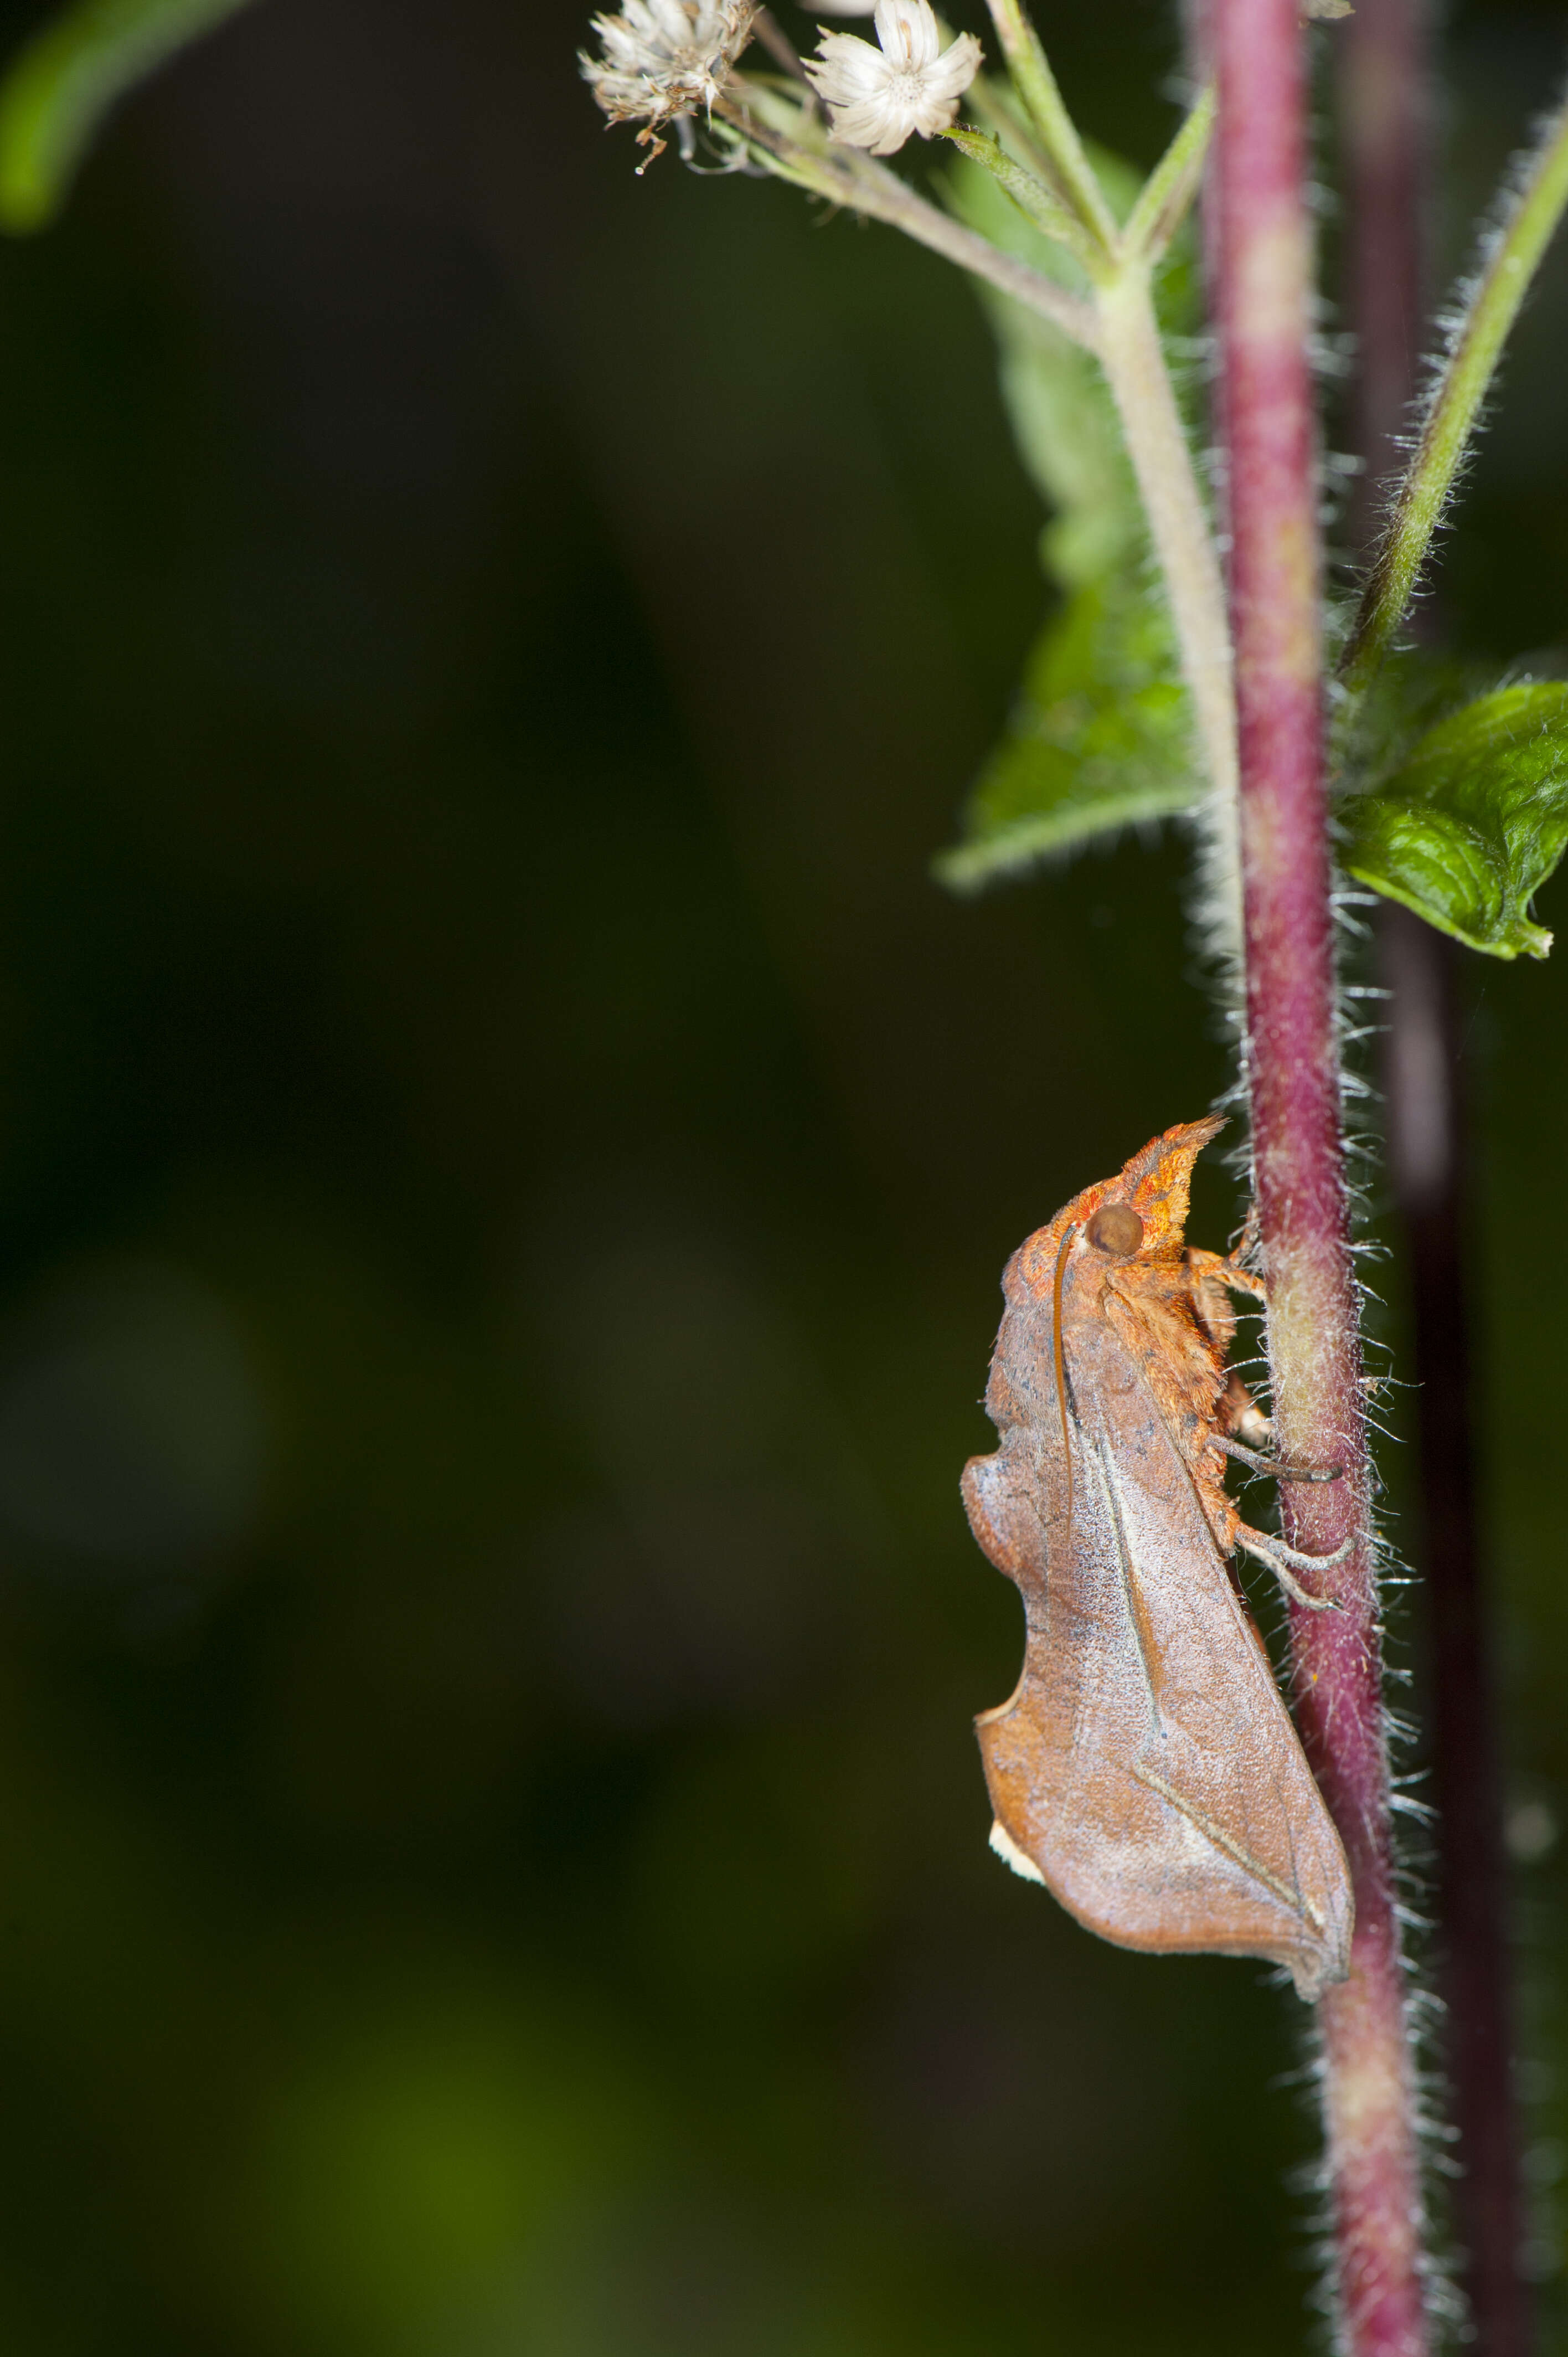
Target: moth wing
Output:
{"points": [[1007, 1498], [1146, 1765]]}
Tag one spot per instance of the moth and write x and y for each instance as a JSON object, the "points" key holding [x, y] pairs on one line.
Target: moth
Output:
{"points": [[1145, 1769]]}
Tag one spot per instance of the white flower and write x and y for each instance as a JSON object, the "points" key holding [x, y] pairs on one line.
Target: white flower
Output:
{"points": [[876, 97], [666, 60]]}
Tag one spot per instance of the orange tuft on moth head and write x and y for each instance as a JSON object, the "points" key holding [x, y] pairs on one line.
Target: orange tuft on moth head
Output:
{"points": [[1154, 1186]]}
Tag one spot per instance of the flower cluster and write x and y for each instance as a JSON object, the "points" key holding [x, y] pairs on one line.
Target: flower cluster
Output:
{"points": [[876, 98], [665, 60]]}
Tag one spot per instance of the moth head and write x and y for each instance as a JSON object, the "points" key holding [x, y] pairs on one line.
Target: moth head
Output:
{"points": [[1155, 1184], [1146, 1215], [1116, 1230]]}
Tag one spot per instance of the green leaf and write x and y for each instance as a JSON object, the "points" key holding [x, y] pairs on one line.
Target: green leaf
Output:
{"points": [[1474, 820], [1101, 739], [63, 83]]}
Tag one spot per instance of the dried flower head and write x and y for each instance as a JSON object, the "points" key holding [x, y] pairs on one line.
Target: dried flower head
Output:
{"points": [[665, 60], [876, 97]]}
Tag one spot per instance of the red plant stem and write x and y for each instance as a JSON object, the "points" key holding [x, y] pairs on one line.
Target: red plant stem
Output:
{"points": [[1263, 251], [1385, 107]]}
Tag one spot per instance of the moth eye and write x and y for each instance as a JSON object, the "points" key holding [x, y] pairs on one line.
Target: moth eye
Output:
{"points": [[1116, 1228]]}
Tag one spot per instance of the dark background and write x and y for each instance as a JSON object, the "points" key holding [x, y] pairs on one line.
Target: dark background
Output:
{"points": [[505, 1160]]}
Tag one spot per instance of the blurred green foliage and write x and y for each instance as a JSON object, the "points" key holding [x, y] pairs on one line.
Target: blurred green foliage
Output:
{"points": [[57, 93], [506, 1164]]}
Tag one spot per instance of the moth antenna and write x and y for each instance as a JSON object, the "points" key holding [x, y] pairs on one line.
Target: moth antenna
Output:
{"points": [[1067, 1235]]}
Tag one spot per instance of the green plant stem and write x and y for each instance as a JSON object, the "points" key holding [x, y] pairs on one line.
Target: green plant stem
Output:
{"points": [[1037, 85], [845, 177], [1164, 199], [1474, 351], [1134, 362]]}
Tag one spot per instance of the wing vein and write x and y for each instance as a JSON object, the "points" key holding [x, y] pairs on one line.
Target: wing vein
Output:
{"points": [[1282, 1890]]}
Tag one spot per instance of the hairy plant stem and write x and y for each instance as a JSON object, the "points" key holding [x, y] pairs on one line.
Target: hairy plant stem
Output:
{"points": [[846, 176], [1513, 255], [1385, 90], [1058, 133], [1263, 259], [1134, 364], [1167, 196]]}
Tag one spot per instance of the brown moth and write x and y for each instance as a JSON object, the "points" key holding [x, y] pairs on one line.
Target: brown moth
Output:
{"points": [[1146, 1770]]}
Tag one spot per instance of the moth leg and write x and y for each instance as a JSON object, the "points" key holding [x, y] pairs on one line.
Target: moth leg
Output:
{"points": [[1240, 1413], [1251, 1234], [1212, 1282], [1275, 1467], [1259, 1543], [1297, 1593], [1210, 1298], [1226, 1269], [1279, 1557]]}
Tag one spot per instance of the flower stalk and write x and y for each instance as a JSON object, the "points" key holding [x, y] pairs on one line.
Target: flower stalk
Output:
{"points": [[1054, 126], [1263, 260], [847, 178]]}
